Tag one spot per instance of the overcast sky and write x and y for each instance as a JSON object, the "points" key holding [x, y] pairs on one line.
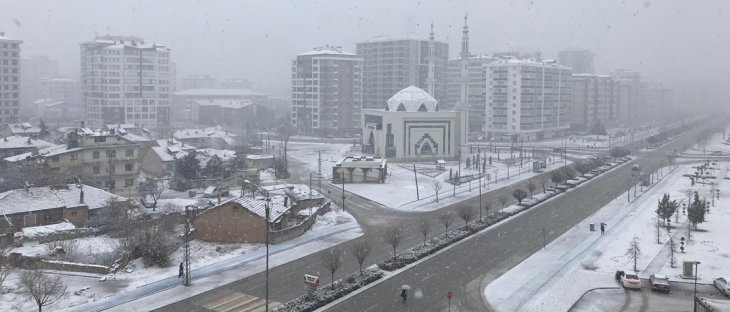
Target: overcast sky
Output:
{"points": [[667, 40]]}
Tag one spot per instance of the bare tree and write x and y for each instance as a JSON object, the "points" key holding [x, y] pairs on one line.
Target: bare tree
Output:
{"points": [[393, 236], [331, 261], [424, 228], [634, 252], [436, 185], [658, 228], [151, 189], [502, 201], [5, 268], [43, 289], [672, 252], [446, 220], [486, 209], [466, 213], [531, 187], [361, 250], [543, 180]]}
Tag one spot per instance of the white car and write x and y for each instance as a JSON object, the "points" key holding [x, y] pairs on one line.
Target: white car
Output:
{"points": [[722, 285], [631, 280]]}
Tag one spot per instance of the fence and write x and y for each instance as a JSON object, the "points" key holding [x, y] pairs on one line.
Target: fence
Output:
{"points": [[299, 229], [24, 262]]}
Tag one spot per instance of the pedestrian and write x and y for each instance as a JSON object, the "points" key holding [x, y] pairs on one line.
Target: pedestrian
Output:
{"points": [[180, 274], [603, 228], [404, 294]]}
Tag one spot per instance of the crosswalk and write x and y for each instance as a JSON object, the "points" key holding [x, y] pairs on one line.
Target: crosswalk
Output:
{"points": [[239, 302]]}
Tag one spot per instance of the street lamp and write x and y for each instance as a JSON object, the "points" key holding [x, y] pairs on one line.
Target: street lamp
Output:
{"points": [[268, 214], [696, 263]]}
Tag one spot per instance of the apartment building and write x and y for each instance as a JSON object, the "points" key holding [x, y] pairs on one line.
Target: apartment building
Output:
{"points": [[527, 99], [326, 91], [594, 100], [392, 65], [9, 79], [126, 80]]}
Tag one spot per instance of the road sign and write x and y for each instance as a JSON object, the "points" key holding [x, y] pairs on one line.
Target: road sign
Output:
{"points": [[311, 280], [449, 295]]}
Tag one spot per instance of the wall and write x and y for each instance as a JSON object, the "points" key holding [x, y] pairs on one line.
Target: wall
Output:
{"points": [[230, 223], [19, 261], [299, 229]]}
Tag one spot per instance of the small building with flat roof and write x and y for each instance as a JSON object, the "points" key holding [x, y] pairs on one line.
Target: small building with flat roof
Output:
{"points": [[360, 169]]}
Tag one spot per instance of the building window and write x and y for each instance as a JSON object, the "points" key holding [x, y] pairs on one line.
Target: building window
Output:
{"points": [[169, 166], [129, 152], [128, 167], [29, 220], [99, 139], [111, 154], [96, 169], [95, 155], [128, 182]]}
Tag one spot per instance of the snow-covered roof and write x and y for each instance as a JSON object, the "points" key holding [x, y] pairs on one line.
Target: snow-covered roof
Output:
{"points": [[527, 62], [167, 154], [412, 99], [205, 154], [126, 42], [175, 143], [52, 150], [326, 52], [225, 103], [361, 162], [46, 197], [6, 38], [219, 92], [136, 138], [299, 192], [23, 128], [256, 157], [258, 207], [13, 142]]}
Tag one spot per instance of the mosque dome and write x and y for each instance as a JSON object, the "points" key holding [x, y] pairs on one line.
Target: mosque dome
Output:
{"points": [[412, 99]]}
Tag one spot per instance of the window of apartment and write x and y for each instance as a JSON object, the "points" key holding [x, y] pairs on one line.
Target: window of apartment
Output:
{"points": [[95, 155], [129, 152], [128, 182], [99, 139], [96, 169], [111, 154], [128, 167]]}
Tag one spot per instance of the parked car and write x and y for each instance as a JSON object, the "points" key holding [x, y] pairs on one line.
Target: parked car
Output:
{"points": [[631, 280], [659, 283], [636, 167], [214, 191], [722, 285]]}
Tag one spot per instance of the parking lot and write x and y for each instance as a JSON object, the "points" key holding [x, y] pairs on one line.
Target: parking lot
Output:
{"points": [[679, 299]]}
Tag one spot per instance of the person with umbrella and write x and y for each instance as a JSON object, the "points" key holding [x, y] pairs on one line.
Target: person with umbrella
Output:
{"points": [[404, 292]]}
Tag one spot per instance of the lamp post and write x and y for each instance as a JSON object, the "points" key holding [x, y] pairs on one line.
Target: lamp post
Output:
{"points": [[268, 213], [696, 263], [343, 192]]}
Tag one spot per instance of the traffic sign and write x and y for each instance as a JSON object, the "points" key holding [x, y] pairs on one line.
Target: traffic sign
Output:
{"points": [[449, 295]]}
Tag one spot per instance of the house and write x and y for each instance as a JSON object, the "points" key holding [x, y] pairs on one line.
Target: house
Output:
{"points": [[16, 145], [241, 220], [34, 206], [51, 110], [206, 138], [260, 161], [104, 159], [22, 129], [360, 169]]}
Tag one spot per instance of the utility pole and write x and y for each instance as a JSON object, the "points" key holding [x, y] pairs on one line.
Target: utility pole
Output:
{"points": [[319, 176], [480, 197], [343, 191], [268, 214], [186, 242], [415, 176], [275, 178]]}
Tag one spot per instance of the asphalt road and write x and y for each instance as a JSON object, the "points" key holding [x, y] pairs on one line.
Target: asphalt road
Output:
{"points": [[465, 269], [468, 267]]}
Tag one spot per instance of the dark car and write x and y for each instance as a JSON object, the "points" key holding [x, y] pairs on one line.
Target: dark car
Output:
{"points": [[659, 283]]}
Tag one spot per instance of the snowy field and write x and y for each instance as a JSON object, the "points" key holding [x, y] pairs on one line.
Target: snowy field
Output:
{"points": [[714, 144], [554, 278]]}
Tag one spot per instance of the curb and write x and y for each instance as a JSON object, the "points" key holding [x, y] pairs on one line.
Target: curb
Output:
{"points": [[586, 292]]}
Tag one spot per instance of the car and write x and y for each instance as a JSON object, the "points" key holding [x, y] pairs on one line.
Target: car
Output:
{"points": [[716, 153], [636, 167], [631, 280], [722, 285], [659, 283]]}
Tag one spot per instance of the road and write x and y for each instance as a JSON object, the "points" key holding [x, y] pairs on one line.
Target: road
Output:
{"points": [[457, 270], [471, 265]]}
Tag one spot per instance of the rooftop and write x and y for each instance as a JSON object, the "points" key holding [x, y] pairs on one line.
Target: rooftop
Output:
{"points": [[412, 99], [258, 207], [125, 42], [13, 142], [219, 92], [202, 133], [361, 162], [46, 197], [235, 104], [23, 128], [327, 50]]}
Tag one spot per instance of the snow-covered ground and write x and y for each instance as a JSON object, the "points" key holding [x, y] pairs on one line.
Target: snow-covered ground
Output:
{"points": [[207, 257], [554, 278], [714, 144]]}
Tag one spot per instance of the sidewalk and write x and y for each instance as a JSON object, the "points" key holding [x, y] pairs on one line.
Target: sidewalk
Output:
{"points": [[555, 277], [170, 290]]}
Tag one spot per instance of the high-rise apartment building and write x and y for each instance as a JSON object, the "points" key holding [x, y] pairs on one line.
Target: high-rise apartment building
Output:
{"points": [[326, 91], [579, 61], [527, 99], [391, 65], [35, 69], [628, 84], [199, 82], [125, 80], [594, 100], [9, 79]]}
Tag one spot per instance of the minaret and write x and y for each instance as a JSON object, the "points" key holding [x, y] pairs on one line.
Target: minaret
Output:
{"points": [[465, 40], [431, 53]]}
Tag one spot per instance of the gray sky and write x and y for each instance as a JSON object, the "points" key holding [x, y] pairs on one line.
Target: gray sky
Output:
{"points": [[667, 40]]}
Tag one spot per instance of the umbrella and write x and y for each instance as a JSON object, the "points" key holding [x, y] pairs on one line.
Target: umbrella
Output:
{"points": [[406, 287]]}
